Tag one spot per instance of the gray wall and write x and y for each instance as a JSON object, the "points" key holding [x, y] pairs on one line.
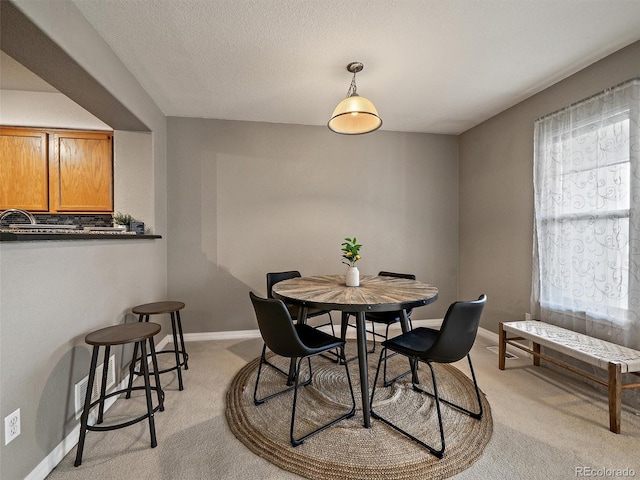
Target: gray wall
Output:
{"points": [[496, 189], [247, 198], [53, 293]]}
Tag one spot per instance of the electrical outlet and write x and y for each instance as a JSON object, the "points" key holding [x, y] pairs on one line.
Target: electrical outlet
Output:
{"points": [[11, 426], [527, 316]]}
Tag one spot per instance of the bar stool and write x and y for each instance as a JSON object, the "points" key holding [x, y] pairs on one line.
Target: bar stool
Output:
{"points": [[173, 309], [139, 333]]}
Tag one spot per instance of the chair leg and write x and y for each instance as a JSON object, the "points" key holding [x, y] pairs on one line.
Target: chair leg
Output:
{"points": [[386, 382], [298, 441], [333, 356], [264, 361], [373, 334], [439, 453], [477, 415], [333, 330]]}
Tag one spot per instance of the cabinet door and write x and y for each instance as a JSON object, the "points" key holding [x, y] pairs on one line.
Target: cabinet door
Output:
{"points": [[24, 170], [81, 177]]}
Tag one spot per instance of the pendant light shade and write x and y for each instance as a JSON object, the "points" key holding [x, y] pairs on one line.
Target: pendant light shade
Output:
{"points": [[354, 115]]}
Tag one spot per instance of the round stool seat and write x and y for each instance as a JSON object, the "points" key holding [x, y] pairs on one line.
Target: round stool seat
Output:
{"points": [[121, 334], [156, 308]]}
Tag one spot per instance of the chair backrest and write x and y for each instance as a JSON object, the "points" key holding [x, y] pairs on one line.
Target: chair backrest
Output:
{"points": [[410, 276], [458, 331], [276, 327], [275, 277]]}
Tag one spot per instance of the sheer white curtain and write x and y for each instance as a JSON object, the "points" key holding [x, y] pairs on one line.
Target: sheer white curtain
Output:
{"points": [[586, 259]]}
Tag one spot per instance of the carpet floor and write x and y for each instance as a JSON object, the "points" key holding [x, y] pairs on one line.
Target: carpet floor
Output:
{"points": [[546, 425]]}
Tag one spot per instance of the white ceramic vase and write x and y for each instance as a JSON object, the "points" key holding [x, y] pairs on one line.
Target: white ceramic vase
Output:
{"points": [[353, 277]]}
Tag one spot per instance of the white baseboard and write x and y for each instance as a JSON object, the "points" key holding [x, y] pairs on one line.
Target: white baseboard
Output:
{"points": [[351, 332], [232, 335], [46, 466]]}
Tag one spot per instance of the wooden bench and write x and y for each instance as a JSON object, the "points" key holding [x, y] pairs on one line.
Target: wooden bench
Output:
{"points": [[616, 359]]}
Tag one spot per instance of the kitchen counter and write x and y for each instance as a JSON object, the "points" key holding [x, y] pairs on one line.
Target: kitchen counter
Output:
{"points": [[8, 236]]}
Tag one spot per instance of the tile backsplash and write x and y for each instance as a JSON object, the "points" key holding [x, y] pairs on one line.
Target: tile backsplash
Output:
{"points": [[83, 220]]}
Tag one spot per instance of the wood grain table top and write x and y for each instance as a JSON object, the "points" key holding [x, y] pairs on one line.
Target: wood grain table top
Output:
{"points": [[375, 293]]}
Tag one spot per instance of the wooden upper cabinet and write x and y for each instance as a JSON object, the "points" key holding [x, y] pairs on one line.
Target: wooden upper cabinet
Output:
{"points": [[24, 169], [51, 170], [82, 172]]}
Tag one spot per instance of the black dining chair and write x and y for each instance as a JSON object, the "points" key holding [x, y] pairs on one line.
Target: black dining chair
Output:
{"points": [[387, 319], [295, 341], [452, 342], [275, 277]]}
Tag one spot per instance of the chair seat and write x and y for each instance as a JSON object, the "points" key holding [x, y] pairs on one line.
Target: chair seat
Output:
{"points": [[317, 340], [413, 342], [383, 317]]}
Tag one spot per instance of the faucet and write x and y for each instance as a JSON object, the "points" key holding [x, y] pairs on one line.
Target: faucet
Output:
{"points": [[8, 212]]}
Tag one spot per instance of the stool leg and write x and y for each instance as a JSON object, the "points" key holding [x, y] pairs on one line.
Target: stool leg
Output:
{"points": [[147, 391], [103, 387], [87, 402], [176, 347], [154, 360], [185, 355], [132, 369]]}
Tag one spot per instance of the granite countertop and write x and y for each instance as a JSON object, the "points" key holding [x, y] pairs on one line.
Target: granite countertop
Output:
{"points": [[7, 235]]}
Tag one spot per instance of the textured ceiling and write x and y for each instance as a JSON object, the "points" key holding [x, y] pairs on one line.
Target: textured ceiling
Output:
{"points": [[439, 66]]}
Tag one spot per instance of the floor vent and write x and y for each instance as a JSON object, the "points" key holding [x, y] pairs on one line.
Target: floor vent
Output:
{"points": [[81, 386], [507, 355]]}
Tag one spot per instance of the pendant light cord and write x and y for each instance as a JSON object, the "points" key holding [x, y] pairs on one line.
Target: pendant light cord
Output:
{"points": [[353, 89]]}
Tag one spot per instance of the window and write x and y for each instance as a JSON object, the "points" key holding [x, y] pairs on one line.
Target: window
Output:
{"points": [[586, 183]]}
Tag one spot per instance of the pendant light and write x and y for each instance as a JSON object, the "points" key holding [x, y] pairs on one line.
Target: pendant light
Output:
{"points": [[354, 115]]}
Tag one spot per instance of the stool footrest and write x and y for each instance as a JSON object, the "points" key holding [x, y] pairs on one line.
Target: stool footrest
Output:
{"points": [[104, 428], [185, 359]]}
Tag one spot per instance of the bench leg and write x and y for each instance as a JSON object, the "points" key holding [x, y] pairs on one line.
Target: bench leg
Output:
{"points": [[502, 346], [615, 396], [536, 351]]}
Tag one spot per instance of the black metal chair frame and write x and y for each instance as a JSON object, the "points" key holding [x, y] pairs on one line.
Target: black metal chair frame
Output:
{"points": [[372, 318], [275, 277], [423, 357], [337, 343]]}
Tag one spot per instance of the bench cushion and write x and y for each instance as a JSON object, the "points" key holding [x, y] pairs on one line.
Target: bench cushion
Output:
{"points": [[577, 345]]}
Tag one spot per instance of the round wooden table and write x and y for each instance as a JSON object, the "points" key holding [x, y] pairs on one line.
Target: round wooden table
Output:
{"points": [[375, 294]]}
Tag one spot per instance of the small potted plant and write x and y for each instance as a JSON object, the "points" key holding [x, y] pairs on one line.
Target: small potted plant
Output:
{"points": [[351, 254], [122, 219]]}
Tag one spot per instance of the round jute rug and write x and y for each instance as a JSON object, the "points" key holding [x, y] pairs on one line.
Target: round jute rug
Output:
{"points": [[347, 450]]}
